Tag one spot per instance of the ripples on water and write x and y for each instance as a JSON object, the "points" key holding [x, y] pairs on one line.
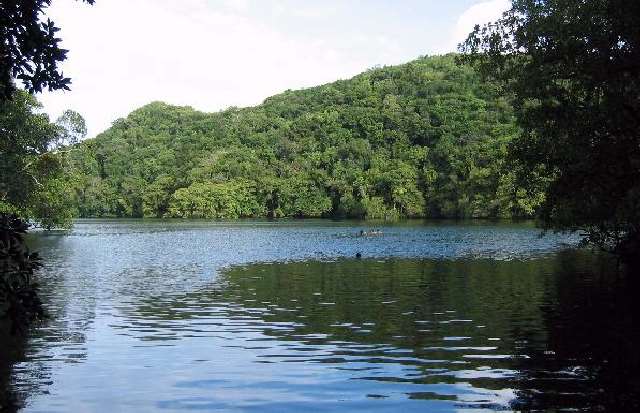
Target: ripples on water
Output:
{"points": [[198, 316]]}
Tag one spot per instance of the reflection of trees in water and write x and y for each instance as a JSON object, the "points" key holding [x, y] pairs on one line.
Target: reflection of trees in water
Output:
{"points": [[574, 325], [424, 315], [70, 307], [11, 349], [593, 342], [396, 296], [27, 360]]}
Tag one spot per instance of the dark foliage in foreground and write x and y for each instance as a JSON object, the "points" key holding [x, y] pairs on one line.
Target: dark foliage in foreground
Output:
{"points": [[19, 302], [29, 49], [573, 70]]}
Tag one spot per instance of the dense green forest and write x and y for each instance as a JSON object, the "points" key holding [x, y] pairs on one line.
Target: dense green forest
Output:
{"points": [[423, 139]]}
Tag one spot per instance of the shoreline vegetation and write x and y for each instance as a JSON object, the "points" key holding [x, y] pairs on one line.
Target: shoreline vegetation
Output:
{"points": [[424, 139]]}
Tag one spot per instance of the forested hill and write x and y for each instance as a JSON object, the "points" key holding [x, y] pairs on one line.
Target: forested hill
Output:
{"points": [[426, 138]]}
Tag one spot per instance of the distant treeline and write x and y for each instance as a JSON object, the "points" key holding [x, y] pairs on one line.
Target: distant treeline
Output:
{"points": [[423, 139]]}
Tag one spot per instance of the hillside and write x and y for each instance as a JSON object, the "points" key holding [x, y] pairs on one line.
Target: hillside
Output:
{"points": [[423, 139]]}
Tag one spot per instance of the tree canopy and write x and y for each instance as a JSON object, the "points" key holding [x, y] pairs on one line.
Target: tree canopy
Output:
{"points": [[572, 68], [33, 182], [31, 177], [424, 139], [29, 49]]}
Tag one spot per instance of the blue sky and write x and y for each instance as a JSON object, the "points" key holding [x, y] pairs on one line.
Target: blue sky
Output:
{"points": [[212, 54]]}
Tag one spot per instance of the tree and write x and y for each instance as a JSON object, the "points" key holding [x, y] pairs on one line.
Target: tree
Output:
{"points": [[426, 138], [31, 183], [29, 49], [73, 129], [31, 178], [572, 69]]}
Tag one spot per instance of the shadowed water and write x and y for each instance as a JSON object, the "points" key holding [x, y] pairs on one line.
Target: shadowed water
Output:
{"points": [[278, 317]]}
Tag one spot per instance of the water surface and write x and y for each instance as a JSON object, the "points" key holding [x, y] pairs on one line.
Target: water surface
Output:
{"points": [[279, 317]]}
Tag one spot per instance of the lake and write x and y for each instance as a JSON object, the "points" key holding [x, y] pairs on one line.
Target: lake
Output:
{"points": [[260, 316]]}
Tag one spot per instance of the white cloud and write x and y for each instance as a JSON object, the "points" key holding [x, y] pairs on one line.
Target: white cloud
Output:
{"points": [[212, 54], [481, 13], [126, 53], [239, 6]]}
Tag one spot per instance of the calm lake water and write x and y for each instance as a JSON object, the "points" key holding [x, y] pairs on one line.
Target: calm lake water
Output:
{"points": [[280, 317]]}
